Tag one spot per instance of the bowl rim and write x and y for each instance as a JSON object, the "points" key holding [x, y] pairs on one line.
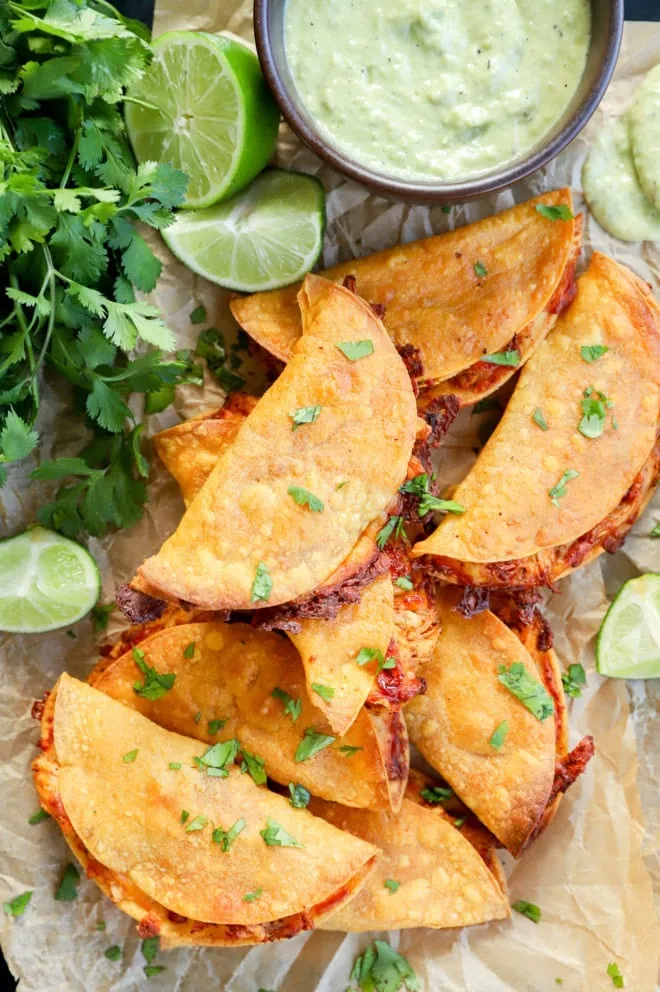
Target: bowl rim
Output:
{"points": [[435, 191]]}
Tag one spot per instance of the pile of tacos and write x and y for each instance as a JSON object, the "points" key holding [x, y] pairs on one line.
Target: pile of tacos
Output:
{"points": [[236, 768]]}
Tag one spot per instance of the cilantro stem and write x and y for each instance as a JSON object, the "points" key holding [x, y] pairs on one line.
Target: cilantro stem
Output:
{"points": [[72, 158], [25, 331]]}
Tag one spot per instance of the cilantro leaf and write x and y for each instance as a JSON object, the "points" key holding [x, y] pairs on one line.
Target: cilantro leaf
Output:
{"points": [[104, 405], [303, 497], [39, 817], [592, 352], [510, 358], [141, 265], [403, 582], [198, 316], [349, 750], [67, 890], [560, 212], [150, 947], [420, 486], [594, 411], [251, 896], [480, 270], [499, 735], [155, 684], [365, 655], [262, 585], [113, 953], [539, 419], [390, 884], [574, 680], [616, 976], [219, 755], [198, 823], [225, 838], [394, 526], [255, 766], [17, 905], [304, 415], [655, 531], [382, 969], [275, 835], [311, 744], [293, 707], [355, 350], [324, 691], [527, 909], [435, 794], [299, 795], [17, 439], [527, 689]]}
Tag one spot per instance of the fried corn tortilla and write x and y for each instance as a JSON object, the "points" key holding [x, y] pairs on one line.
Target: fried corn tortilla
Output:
{"points": [[539, 501], [437, 302], [453, 723], [106, 776], [225, 677], [431, 874], [284, 509]]}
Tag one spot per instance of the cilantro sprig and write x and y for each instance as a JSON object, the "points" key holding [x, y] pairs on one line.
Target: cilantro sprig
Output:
{"points": [[72, 256]]}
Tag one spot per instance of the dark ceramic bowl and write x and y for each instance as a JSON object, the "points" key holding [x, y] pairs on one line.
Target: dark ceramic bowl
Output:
{"points": [[606, 31]]}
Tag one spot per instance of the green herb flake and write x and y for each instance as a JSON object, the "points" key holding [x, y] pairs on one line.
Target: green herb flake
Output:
{"points": [[130, 756], [592, 352], [594, 411], [303, 497], [305, 415], [459, 821], [215, 726], [341, 485], [419, 486], [251, 896], [155, 684], [185, 815], [486, 405], [365, 655], [390, 662], [292, 707], [616, 976], [189, 651], [225, 838], [262, 585], [480, 270], [324, 691], [558, 491], [574, 680], [219, 755], [403, 582], [100, 926], [436, 794], [254, 766], [527, 909], [390, 884], [275, 835], [100, 616], [527, 689], [655, 532], [311, 744], [68, 888], [198, 823], [560, 212], [113, 953], [540, 420], [382, 969], [299, 795], [499, 735], [394, 526], [198, 716], [38, 817], [151, 970], [174, 766], [198, 316], [354, 350], [509, 358], [17, 905], [348, 750]]}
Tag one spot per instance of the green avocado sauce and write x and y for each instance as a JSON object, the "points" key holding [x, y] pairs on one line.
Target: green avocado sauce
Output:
{"points": [[436, 89]]}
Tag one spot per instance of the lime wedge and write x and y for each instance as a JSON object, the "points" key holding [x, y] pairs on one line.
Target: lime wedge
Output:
{"points": [[269, 235], [46, 581], [629, 638], [204, 106]]}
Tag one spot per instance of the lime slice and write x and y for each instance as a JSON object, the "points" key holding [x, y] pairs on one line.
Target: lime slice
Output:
{"points": [[629, 638], [269, 235], [205, 107], [46, 581]]}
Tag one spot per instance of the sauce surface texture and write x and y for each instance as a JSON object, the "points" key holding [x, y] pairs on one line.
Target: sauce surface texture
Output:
{"points": [[436, 89]]}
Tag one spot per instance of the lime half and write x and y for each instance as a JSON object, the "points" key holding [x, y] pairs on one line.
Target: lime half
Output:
{"points": [[204, 106], [46, 581], [269, 235], [629, 638]]}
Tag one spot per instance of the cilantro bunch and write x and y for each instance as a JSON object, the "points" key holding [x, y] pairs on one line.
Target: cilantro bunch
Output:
{"points": [[72, 257]]}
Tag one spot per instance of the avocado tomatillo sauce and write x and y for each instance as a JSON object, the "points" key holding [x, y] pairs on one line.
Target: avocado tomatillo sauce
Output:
{"points": [[436, 89]]}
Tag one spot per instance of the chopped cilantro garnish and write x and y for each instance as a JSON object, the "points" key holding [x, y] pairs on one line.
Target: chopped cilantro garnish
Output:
{"points": [[420, 487], [101, 925], [17, 905], [574, 680], [365, 655], [225, 838], [155, 684], [341, 485], [251, 896], [655, 532], [174, 766], [390, 662], [189, 651], [198, 716], [527, 689], [303, 497], [113, 953], [403, 582], [262, 585], [349, 750], [480, 270], [435, 794], [324, 691], [486, 405], [393, 526], [151, 970], [558, 491], [198, 823], [560, 212], [130, 756], [68, 888], [312, 743], [458, 823], [354, 350], [382, 969], [214, 726], [150, 947], [510, 358], [305, 415], [594, 411], [499, 735], [616, 976], [539, 419], [527, 909], [100, 616], [276, 836], [300, 796], [255, 766], [185, 815], [592, 352], [219, 755], [38, 817], [198, 316], [291, 706], [390, 884]]}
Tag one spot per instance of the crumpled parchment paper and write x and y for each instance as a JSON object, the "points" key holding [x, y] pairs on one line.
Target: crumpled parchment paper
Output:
{"points": [[591, 872]]}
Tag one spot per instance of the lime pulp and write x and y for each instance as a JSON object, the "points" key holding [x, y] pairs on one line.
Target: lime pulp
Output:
{"points": [[629, 638], [46, 582]]}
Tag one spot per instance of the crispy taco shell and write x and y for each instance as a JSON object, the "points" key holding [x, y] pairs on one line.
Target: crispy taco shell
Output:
{"points": [[447, 876], [123, 821], [230, 677], [352, 458], [512, 533], [436, 303], [452, 724]]}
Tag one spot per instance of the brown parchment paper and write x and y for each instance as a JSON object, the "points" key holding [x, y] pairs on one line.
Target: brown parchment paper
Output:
{"points": [[591, 873]]}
